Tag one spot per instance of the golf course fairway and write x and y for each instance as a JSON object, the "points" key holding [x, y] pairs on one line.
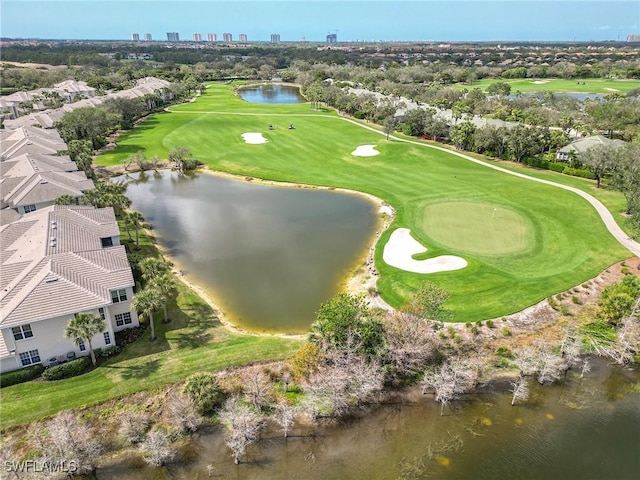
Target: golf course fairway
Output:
{"points": [[523, 241]]}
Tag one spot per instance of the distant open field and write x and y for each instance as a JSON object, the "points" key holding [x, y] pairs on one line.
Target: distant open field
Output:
{"points": [[587, 85], [541, 240]]}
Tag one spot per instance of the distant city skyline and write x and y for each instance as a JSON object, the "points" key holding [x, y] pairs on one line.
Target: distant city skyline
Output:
{"points": [[355, 20]]}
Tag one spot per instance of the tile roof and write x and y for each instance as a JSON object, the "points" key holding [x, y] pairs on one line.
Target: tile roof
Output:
{"points": [[40, 281], [583, 144]]}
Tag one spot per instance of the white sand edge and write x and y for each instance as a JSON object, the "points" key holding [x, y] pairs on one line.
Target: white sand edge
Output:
{"points": [[540, 82], [401, 247], [611, 89], [254, 138], [365, 151]]}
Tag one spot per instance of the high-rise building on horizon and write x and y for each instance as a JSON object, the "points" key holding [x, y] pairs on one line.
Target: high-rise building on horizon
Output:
{"points": [[275, 38], [633, 38], [332, 38], [303, 39], [135, 37], [212, 37], [227, 37], [243, 38], [173, 36], [196, 37], [147, 37]]}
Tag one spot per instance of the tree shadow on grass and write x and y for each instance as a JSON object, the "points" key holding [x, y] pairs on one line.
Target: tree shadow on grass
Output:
{"points": [[197, 322], [136, 371]]}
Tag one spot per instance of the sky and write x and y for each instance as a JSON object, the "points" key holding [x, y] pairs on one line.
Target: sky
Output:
{"points": [[353, 20]]}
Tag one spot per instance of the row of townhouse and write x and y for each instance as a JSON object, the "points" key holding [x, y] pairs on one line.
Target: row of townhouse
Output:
{"points": [[55, 261], [45, 118]]}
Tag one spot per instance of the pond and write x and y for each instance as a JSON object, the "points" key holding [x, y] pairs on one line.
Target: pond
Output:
{"points": [[272, 94], [267, 255], [581, 429]]}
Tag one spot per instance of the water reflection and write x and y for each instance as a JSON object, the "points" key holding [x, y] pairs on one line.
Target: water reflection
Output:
{"points": [[268, 255], [570, 431], [272, 94]]}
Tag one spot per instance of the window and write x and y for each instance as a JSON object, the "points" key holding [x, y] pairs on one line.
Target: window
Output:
{"points": [[82, 346], [123, 319], [119, 295], [30, 358], [107, 242], [29, 208], [107, 338], [22, 332], [101, 312]]}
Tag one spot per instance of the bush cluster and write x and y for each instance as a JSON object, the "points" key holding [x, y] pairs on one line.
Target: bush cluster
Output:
{"points": [[68, 369], [204, 392], [19, 376]]}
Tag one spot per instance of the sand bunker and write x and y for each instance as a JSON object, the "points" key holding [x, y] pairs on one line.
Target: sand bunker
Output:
{"points": [[540, 82], [401, 247], [254, 138], [387, 210], [611, 89], [365, 151]]}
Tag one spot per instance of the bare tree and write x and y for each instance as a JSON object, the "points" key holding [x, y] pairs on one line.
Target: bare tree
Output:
{"points": [[586, 368], [453, 378], [134, 425], [243, 426], [155, 448], [285, 416], [541, 361], [520, 390], [183, 414], [286, 380], [258, 389]]}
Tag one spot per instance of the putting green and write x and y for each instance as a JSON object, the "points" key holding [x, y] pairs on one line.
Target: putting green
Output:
{"points": [[480, 228]]}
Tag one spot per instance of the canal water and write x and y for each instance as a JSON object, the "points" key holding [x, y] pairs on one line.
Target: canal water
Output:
{"points": [[267, 255], [583, 429], [272, 94]]}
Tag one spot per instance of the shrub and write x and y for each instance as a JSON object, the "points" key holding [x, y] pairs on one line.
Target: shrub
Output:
{"points": [[204, 392], [68, 369], [490, 323], [19, 376], [557, 167], [576, 300], [467, 325], [564, 310], [479, 323], [457, 338], [474, 330], [109, 351], [504, 352], [505, 332], [579, 172]]}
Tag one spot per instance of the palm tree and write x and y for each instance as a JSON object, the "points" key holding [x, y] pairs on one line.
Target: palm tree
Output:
{"points": [[152, 267], [136, 219], [148, 301], [84, 326], [166, 287]]}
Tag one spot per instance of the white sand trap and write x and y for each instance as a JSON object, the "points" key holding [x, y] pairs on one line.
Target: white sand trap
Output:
{"points": [[540, 82], [254, 138], [401, 247], [387, 210], [611, 89], [365, 151]]}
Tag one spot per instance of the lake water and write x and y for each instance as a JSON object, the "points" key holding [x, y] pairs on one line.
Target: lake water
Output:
{"points": [[267, 255], [272, 94], [584, 429]]}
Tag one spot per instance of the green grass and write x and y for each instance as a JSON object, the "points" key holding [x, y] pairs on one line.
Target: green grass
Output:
{"points": [[193, 341], [586, 85], [566, 242]]}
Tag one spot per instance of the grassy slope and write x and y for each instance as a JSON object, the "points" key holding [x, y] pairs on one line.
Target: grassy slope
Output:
{"points": [[570, 242], [194, 341], [591, 85]]}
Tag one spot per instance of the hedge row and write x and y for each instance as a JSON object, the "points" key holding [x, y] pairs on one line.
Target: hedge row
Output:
{"points": [[68, 369], [19, 376]]}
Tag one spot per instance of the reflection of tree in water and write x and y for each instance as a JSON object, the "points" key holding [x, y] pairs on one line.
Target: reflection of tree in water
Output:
{"points": [[420, 467]]}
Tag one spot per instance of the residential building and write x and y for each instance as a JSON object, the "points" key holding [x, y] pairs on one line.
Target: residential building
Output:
{"points": [[332, 38], [173, 36], [196, 37], [32, 174], [55, 263], [578, 147], [212, 37], [147, 37], [135, 37], [227, 37], [242, 38], [275, 38]]}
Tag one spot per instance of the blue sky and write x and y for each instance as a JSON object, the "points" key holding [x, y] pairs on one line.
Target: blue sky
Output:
{"points": [[454, 20]]}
